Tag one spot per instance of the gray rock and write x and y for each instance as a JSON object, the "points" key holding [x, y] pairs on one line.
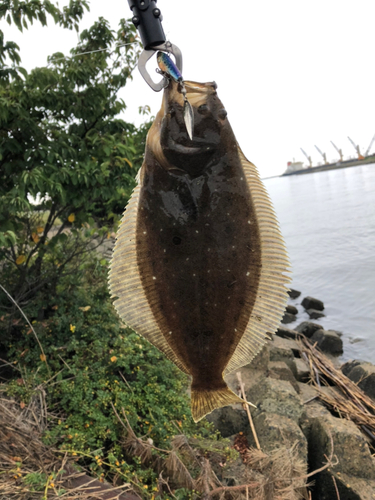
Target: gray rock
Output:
{"points": [[288, 318], [308, 328], [302, 370], [279, 370], [328, 341], [351, 449], [351, 488], [294, 294], [275, 396], [291, 309], [363, 374], [286, 333], [311, 303], [315, 314], [283, 350], [228, 420], [275, 430], [347, 367]]}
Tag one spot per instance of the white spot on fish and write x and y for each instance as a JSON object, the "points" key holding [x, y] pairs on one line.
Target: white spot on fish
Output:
{"points": [[247, 274], [241, 179], [193, 274], [208, 249], [144, 232], [187, 258], [208, 270], [154, 277], [161, 230], [170, 333], [165, 250], [248, 222], [197, 231], [235, 329]]}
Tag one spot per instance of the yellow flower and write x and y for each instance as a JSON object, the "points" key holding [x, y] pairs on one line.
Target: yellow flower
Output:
{"points": [[43, 357], [52, 485], [72, 328], [113, 359], [71, 218]]}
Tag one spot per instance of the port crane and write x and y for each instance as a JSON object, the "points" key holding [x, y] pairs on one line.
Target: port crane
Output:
{"points": [[323, 154], [340, 150], [356, 147], [308, 157], [371, 143]]}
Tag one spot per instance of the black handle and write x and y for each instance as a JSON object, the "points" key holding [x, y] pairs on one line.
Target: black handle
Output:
{"points": [[147, 19]]}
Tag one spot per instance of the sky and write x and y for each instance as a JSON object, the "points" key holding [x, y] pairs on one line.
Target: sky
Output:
{"points": [[291, 74]]}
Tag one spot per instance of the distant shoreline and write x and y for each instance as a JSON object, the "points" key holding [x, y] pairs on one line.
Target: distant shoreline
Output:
{"points": [[332, 166]]}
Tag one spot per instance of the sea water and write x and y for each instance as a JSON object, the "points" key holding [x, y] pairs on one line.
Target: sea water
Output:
{"points": [[328, 222]]}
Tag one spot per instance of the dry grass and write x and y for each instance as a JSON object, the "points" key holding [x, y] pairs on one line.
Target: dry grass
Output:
{"points": [[29, 470], [347, 400]]}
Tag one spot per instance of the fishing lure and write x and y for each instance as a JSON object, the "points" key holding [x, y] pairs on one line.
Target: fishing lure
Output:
{"points": [[168, 67]]}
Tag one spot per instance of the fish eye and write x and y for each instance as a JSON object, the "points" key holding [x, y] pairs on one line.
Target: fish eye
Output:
{"points": [[222, 114], [203, 109], [176, 240]]}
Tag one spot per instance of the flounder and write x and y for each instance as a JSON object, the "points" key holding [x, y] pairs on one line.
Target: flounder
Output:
{"points": [[199, 261]]}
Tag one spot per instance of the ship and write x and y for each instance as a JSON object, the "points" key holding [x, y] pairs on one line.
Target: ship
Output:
{"points": [[297, 167]]}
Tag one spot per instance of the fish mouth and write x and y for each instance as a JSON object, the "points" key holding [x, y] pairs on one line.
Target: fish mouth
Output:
{"points": [[196, 147]]}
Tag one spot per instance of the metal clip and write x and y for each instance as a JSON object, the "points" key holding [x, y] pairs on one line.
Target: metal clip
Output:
{"points": [[167, 47]]}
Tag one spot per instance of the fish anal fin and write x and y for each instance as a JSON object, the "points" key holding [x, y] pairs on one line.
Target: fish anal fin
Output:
{"points": [[204, 401]]}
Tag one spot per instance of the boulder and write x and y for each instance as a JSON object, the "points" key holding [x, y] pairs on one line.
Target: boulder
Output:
{"points": [[294, 294], [283, 350], [288, 318], [302, 370], [328, 341], [311, 303], [286, 333], [229, 421], [350, 488], [275, 396], [315, 314], [279, 370], [308, 328], [291, 309], [275, 430], [363, 374], [351, 449]]}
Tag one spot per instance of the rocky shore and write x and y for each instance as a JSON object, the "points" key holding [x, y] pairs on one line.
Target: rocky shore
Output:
{"points": [[290, 409]]}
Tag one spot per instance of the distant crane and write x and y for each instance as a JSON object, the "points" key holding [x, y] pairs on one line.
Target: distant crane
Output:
{"points": [[371, 143], [323, 154], [308, 157], [340, 150], [356, 147]]}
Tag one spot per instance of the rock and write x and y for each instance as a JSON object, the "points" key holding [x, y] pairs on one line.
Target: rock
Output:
{"points": [[288, 318], [279, 370], [294, 294], [291, 309], [328, 341], [302, 370], [229, 421], [313, 408], [274, 430], [308, 328], [234, 473], [351, 449], [363, 374], [286, 333], [283, 350], [275, 396], [260, 362], [311, 303], [315, 314], [351, 487]]}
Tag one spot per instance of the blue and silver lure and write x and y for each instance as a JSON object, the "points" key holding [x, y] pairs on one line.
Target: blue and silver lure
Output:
{"points": [[168, 67]]}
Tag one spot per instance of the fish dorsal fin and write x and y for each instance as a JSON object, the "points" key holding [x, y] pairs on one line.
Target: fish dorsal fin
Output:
{"points": [[125, 283], [272, 290]]}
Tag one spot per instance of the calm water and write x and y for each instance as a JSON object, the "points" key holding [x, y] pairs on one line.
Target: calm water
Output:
{"points": [[328, 222]]}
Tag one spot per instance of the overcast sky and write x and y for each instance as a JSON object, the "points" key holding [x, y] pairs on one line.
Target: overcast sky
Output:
{"points": [[291, 74]]}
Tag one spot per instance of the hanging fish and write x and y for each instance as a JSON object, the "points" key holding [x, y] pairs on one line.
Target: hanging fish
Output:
{"points": [[199, 262]]}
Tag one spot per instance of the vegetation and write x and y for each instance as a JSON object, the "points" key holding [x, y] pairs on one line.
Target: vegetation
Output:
{"points": [[67, 167]]}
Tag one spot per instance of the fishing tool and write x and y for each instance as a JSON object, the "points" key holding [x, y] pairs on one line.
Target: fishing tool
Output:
{"points": [[147, 19]]}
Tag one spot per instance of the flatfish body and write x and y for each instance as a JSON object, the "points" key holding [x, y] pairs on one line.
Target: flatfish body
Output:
{"points": [[199, 262]]}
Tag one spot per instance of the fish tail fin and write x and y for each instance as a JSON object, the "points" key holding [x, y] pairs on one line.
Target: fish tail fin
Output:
{"points": [[204, 401]]}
